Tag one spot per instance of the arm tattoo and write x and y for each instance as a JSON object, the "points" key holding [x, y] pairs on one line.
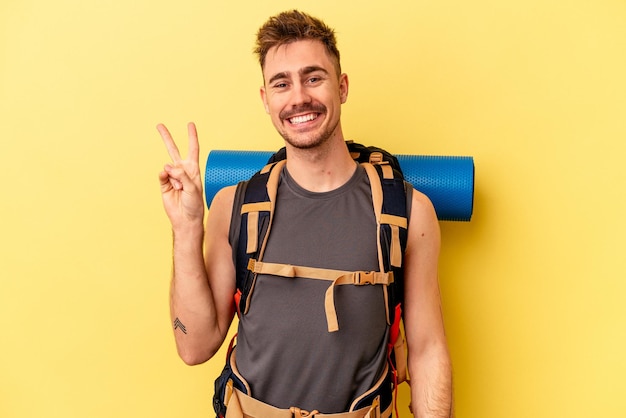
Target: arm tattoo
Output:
{"points": [[180, 325]]}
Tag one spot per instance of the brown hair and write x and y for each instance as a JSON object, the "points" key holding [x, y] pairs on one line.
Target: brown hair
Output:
{"points": [[292, 26]]}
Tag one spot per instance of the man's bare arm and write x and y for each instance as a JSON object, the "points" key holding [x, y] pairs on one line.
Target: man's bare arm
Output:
{"points": [[202, 283], [429, 361]]}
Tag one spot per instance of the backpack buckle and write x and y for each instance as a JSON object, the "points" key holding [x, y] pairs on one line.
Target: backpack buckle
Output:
{"points": [[364, 277], [301, 413], [251, 265], [376, 157]]}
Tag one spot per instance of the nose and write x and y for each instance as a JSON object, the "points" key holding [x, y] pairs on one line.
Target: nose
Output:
{"points": [[299, 95]]}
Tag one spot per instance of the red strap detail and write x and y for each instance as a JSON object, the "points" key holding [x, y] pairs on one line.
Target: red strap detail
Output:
{"points": [[394, 374], [238, 301], [394, 331]]}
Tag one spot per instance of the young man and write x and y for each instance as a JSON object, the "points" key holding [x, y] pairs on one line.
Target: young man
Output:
{"points": [[324, 219]]}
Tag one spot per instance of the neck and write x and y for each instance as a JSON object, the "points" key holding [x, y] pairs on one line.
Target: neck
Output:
{"points": [[323, 168]]}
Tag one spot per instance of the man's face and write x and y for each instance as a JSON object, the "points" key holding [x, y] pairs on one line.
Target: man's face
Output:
{"points": [[303, 93]]}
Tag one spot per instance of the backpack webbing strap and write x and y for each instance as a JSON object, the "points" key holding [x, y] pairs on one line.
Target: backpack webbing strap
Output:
{"points": [[377, 202], [395, 222], [253, 209], [395, 248], [242, 406], [382, 179], [272, 191], [254, 221], [338, 277]]}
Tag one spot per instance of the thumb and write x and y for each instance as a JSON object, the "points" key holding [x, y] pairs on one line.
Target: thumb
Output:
{"points": [[178, 178]]}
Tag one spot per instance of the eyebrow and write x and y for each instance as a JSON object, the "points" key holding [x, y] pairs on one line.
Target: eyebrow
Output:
{"points": [[303, 71], [311, 69], [278, 76]]}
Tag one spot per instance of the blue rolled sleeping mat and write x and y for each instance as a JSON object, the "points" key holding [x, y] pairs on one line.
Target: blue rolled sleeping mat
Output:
{"points": [[447, 180]]}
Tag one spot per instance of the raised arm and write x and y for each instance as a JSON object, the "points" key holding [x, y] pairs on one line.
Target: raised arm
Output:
{"points": [[428, 357], [203, 283]]}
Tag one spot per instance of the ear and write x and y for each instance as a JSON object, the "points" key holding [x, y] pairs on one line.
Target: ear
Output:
{"points": [[343, 87], [264, 99]]}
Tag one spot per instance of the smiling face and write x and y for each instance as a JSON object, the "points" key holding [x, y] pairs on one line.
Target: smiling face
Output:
{"points": [[303, 93]]}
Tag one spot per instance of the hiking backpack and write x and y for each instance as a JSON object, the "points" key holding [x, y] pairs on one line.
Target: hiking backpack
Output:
{"points": [[389, 195]]}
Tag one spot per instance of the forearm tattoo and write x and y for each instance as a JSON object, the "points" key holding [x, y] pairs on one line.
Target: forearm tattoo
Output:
{"points": [[179, 325]]}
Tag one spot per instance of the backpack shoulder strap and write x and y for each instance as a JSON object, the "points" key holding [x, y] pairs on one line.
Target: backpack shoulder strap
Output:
{"points": [[389, 199], [255, 215]]}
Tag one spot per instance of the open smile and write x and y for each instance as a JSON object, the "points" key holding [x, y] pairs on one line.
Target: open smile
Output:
{"points": [[297, 120], [303, 115]]}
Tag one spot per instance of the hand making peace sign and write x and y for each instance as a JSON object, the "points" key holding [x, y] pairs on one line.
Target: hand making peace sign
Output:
{"points": [[181, 184]]}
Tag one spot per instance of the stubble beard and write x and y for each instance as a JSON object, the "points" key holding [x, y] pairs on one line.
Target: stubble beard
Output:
{"points": [[308, 141]]}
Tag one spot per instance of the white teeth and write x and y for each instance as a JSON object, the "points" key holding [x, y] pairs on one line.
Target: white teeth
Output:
{"points": [[303, 118]]}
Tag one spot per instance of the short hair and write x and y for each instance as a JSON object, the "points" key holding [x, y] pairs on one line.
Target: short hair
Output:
{"points": [[292, 26]]}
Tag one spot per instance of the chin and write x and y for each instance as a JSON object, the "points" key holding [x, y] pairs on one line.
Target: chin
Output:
{"points": [[306, 143]]}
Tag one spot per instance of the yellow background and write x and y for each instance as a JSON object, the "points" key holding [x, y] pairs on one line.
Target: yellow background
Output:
{"points": [[533, 287]]}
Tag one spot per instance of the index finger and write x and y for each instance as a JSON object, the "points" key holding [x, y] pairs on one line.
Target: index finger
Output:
{"points": [[172, 149], [194, 145]]}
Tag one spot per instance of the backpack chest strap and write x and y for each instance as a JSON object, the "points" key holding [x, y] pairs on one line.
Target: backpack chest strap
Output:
{"points": [[337, 277]]}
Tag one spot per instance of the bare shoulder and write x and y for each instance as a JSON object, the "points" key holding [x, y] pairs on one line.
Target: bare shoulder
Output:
{"points": [[223, 201], [218, 253], [220, 211], [423, 219], [421, 258]]}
